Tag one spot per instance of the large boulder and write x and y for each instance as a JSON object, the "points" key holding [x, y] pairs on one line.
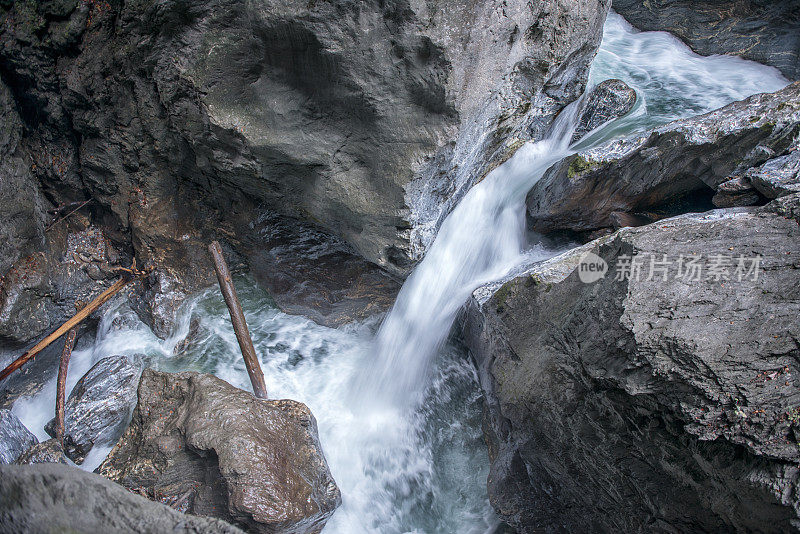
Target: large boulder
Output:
{"points": [[15, 438], [207, 448], [59, 498], [677, 167], [665, 401], [99, 406], [369, 118], [759, 30]]}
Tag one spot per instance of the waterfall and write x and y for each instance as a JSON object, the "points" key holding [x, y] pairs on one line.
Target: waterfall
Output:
{"points": [[480, 241]]}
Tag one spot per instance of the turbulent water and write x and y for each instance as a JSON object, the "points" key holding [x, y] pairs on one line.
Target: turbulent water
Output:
{"points": [[399, 412]]}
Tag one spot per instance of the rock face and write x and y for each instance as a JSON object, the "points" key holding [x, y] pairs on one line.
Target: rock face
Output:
{"points": [[610, 100], [311, 273], [47, 452], [205, 447], [99, 406], [671, 169], [760, 30], [667, 402], [779, 176], [58, 498], [177, 118], [14, 437]]}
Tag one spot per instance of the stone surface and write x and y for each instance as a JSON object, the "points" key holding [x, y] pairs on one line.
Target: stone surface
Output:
{"points": [[99, 406], [14, 437], [653, 404], [673, 169], [367, 118], [46, 452], [205, 447], [59, 498], [760, 30], [610, 100], [778, 177], [310, 273]]}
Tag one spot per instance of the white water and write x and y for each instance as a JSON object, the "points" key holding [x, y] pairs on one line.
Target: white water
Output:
{"points": [[420, 469]]}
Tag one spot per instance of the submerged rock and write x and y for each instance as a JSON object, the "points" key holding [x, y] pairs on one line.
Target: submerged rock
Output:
{"points": [[672, 169], [15, 438], [46, 452], [610, 100], [311, 273], [59, 498], [99, 406], [759, 30], [205, 447], [663, 401]]}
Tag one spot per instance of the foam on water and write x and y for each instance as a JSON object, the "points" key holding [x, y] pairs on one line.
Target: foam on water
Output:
{"points": [[399, 416]]}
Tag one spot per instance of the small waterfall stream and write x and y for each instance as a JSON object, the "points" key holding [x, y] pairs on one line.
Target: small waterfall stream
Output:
{"points": [[399, 411]]}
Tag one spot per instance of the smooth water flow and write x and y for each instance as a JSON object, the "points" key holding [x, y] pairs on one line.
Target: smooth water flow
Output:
{"points": [[480, 241], [405, 446]]}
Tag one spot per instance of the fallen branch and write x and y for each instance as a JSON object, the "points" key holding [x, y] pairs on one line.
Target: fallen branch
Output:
{"points": [[71, 323], [61, 384], [239, 323], [82, 204]]}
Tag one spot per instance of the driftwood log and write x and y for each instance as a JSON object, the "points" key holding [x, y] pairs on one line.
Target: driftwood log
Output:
{"points": [[239, 323], [61, 383], [75, 320]]}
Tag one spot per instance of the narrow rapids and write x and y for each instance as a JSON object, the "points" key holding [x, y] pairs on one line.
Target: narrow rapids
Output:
{"points": [[397, 403]]}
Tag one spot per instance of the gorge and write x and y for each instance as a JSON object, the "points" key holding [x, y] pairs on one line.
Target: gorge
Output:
{"points": [[403, 193]]}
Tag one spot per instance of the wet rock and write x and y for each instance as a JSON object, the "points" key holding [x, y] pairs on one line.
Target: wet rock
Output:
{"points": [[778, 177], [360, 116], [15, 439], [205, 447], [759, 30], [59, 498], [664, 402], [23, 208], [610, 100], [673, 169], [46, 452], [736, 192], [311, 273], [99, 406]]}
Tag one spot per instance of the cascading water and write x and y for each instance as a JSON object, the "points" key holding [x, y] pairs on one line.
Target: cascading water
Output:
{"points": [[480, 241], [417, 462]]}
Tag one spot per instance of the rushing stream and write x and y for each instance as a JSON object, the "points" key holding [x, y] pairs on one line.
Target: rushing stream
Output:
{"points": [[399, 410]]}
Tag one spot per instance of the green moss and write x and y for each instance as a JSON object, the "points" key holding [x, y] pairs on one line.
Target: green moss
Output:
{"points": [[501, 295], [580, 165]]}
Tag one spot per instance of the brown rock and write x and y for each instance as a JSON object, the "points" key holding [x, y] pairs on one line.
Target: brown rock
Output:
{"points": [[207, 448]]}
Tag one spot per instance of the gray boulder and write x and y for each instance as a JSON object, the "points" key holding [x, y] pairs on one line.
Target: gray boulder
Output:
{"points": [[205, 447], [660, 403], [59, 498], [673, 169], [99, 406], [15, 438], [46, 452], [759, 30], [610, 100]]}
